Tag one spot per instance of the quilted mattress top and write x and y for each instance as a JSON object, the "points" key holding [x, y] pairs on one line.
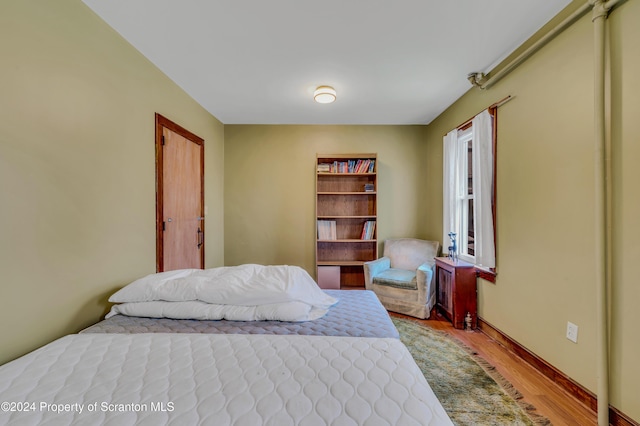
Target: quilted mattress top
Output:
{"points": [[358, 313], [191, 379]]}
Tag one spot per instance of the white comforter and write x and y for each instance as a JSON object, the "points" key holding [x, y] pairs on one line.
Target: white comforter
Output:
{"points": [[243, 293], [189, 379]]}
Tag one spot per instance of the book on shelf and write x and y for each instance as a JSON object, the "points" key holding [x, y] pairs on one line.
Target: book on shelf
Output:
{"points": [[368, 230], [349, 166], [369, 187], [327, 229], [365, 166]]}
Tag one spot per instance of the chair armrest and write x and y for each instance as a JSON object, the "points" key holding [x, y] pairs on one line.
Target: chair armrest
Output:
{"points": [[424, 277], [378, 265], [373, 268], [427, 266]]}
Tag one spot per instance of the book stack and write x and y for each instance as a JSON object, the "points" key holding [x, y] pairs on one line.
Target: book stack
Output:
{"points": [[368, 230], [369, 187], [324, 168], [327, 229]]}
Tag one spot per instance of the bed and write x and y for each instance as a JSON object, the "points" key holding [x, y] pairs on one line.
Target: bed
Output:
{"points": [[356, 313], [337, 360], [218, 379]]}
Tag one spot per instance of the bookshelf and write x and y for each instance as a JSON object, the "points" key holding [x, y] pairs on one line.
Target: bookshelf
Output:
{"points": [[346, 218]]}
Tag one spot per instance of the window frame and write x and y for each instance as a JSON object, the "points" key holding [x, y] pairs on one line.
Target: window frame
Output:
{"points": [[465, 136], [488, 274]]}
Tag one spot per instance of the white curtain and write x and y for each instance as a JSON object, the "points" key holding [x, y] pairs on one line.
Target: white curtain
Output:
{"points": [[482, 161], [450, 211]]}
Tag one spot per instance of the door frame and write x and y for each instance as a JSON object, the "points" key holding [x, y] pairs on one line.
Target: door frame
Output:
{"points": [[163, 122]]}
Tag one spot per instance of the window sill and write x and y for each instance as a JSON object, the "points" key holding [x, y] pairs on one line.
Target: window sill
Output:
{"points": [[486, 274]]}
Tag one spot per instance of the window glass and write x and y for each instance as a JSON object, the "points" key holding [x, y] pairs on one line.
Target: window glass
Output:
{"points": [[466, 198]]}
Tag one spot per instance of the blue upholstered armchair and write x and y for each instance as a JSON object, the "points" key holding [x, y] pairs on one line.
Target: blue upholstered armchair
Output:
{"points": [[403, 279]]}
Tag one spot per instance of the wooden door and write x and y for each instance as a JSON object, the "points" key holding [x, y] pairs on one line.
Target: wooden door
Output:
{"points": [[179, 196]]}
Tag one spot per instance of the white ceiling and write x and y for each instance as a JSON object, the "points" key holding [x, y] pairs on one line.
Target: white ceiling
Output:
{"points": [[391, 61]]}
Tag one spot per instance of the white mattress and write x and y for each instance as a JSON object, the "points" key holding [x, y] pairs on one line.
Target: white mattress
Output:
{"points": [[189, 379]]}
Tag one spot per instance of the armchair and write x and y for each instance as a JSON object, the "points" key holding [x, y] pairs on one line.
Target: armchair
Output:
{"points": [[403, 279]]}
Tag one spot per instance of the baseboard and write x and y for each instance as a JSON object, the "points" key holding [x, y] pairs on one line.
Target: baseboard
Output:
{"points": [[617, 418], [588, 398]]}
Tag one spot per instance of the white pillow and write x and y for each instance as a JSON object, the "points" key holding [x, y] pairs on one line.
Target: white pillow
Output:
{"points": [[244, 285], [289, 311]]}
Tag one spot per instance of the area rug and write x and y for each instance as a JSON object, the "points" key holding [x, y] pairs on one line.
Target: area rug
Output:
{"points": [[466, 385]]}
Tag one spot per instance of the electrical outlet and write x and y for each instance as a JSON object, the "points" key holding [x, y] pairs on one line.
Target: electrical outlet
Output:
{"points": [[572, 332]]}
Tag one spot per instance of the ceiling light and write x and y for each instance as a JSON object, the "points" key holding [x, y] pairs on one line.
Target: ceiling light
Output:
{"points": [[324, 95]]}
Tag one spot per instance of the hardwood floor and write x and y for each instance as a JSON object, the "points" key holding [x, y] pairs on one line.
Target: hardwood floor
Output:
{"points": [[550, 400]]}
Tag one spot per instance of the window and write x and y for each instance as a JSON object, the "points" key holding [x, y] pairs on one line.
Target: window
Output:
{"points": [[465, 196], [469, 191]]}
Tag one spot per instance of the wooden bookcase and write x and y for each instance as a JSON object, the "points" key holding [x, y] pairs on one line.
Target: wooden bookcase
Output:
{"points": [[343, 208]]}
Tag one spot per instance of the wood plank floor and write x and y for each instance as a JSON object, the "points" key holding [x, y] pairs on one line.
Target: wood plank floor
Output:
{"points": [[549, 399]]}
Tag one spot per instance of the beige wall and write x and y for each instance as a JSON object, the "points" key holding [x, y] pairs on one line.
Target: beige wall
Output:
{"points": [[77, 165], [270, 186], [545, 202], [625, 110]]}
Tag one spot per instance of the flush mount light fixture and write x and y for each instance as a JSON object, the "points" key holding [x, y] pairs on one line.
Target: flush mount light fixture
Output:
{"points": [[324, 95]]}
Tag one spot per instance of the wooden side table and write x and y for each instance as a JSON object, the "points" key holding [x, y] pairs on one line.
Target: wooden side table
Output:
{"points": [[456, 291]]}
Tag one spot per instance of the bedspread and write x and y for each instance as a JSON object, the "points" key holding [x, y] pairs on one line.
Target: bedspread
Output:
{"points": [[180, 379]]}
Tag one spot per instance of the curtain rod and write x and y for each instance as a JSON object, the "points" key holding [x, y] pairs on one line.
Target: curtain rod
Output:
{"points": [[493, 105]]}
